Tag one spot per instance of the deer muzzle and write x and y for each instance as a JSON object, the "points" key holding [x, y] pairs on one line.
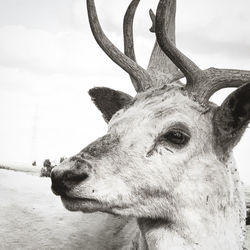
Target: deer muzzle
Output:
{"points": [[64, 180]]}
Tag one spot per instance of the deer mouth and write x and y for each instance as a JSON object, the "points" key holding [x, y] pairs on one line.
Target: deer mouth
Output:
{"points": [[81, 204], [76, 199]]}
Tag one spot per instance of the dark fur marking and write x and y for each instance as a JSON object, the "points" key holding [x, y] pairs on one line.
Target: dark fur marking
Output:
{"points": [[146, 192], [153, 224], [79, 162], [100, 147]]}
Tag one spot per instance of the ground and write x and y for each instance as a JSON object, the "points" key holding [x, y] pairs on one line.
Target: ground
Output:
{"points": [[31, 217]]}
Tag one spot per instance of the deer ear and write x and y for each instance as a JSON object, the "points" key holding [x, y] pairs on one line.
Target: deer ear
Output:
{"points": [[232, 117], [109, 101]]}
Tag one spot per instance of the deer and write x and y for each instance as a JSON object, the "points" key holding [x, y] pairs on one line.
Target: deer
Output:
{"points": [[166, 162]]}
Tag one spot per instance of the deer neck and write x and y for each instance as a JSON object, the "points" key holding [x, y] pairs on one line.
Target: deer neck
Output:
{"points": [[205, 223], [160, 235]]}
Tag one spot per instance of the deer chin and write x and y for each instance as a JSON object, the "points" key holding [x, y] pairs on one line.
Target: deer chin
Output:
{"points": [[81, 204], [89, 205]]}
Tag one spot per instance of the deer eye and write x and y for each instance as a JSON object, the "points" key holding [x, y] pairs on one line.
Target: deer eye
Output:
{"points": [[176, 137]]}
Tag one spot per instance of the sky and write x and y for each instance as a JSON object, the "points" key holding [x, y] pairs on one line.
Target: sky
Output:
{"points": [[49, 60]]}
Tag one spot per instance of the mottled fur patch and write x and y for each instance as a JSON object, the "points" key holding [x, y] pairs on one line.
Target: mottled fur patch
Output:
{"points": [[100, 147]]}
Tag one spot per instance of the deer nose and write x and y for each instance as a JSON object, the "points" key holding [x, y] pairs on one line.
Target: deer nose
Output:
{"points": [[63, 180]]}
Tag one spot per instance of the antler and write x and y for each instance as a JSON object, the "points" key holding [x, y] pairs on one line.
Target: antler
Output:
{"points": [[128, 33], [189, 69], [201, 83], [141, 76], [166, 72]]}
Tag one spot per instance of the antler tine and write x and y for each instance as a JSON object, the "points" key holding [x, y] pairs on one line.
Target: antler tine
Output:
{"points": [[216, 79], [189, 68], [128, 33], [152, 17], [142, 77]]}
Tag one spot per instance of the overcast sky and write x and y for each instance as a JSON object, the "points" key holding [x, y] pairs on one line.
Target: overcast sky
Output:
{"points": [[49, 60]]}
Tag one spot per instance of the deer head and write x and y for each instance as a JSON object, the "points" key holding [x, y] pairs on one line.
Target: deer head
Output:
{"points": [[167, 153]]}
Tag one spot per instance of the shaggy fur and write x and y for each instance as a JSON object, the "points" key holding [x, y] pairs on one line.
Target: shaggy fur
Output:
{"points": [[186, 197]]}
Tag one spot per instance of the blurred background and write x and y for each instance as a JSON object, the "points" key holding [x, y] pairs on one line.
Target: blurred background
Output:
{"points": [[49, 60]]}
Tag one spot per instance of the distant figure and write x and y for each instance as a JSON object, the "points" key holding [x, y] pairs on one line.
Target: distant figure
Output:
{"points": [[46, 169]]}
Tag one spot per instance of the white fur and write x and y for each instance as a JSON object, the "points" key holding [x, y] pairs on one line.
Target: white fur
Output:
{"points": [[192, 194]]}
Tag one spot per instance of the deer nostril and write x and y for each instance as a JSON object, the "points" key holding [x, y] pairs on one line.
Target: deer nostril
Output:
{"points": [[75, 178]]}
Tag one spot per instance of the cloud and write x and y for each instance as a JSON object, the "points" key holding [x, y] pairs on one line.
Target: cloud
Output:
{"points": [[226, 52], [46, 52], [46, 15], [43, 51]]}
